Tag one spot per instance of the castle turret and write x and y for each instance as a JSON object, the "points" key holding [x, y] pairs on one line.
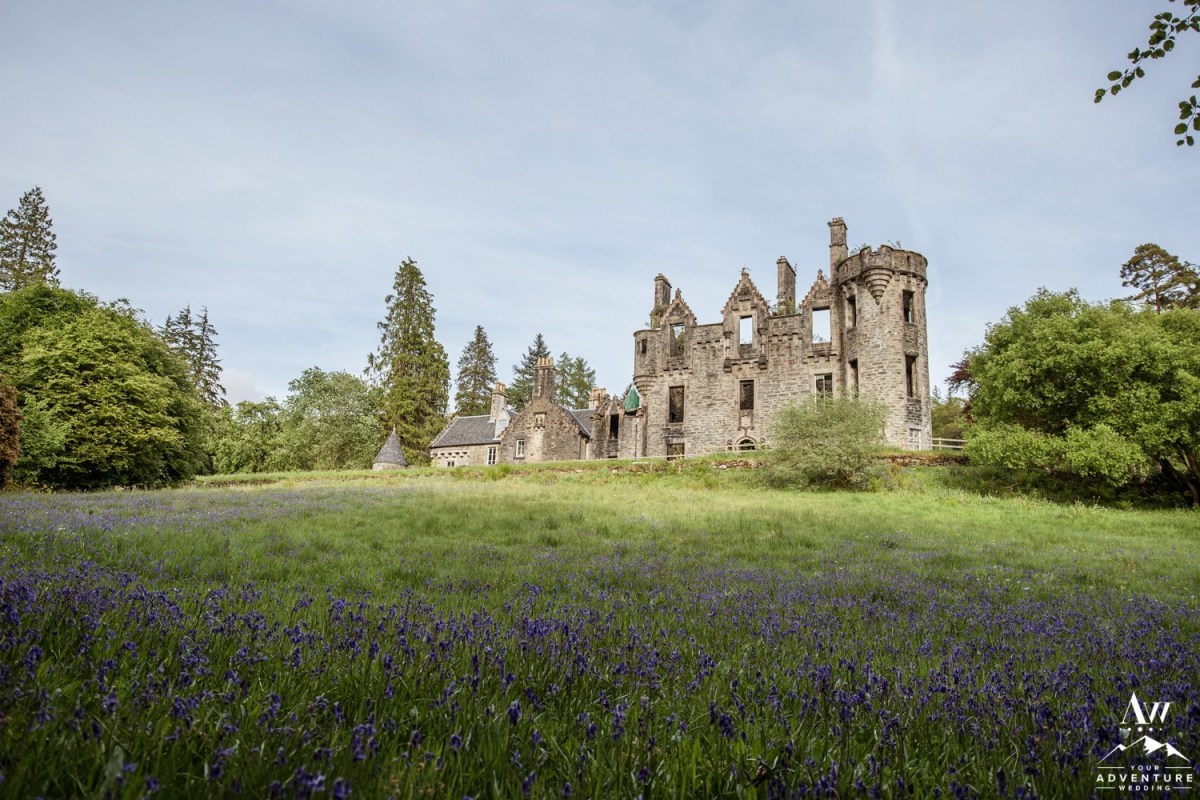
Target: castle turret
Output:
{"points": [[837, 243], [543, 378]]}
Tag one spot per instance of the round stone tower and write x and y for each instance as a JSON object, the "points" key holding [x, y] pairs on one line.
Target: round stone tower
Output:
{"points": [[885, 345]]}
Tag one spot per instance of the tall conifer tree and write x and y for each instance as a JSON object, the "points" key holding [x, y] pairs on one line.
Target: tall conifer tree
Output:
{"points": [[476, 376], [1162, 280], [27, 244], [574, 381], [520, 391], [194, 339], [410, 365]]}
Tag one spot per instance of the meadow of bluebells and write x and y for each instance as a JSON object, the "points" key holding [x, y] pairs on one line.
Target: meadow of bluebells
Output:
{"points": [[616, 677]]}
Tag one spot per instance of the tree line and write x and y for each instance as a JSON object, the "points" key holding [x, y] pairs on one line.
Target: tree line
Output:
{"points": [[92, 394]]}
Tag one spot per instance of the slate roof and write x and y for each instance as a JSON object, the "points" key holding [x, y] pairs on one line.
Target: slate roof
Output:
{"points": [[583, 418], [391, 452], [466, 431]]}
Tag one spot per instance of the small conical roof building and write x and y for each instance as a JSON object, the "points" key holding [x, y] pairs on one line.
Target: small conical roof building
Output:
{"points": [[391, 455]]}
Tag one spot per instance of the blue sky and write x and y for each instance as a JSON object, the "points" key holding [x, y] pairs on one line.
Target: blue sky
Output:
{"points": [[543, 161]]}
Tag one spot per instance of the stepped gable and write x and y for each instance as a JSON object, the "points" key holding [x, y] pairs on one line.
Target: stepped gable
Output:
{"points": [[743, 291], [679, 310]]}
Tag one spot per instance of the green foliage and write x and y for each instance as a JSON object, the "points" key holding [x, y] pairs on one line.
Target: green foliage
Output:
{"points": [[827, 441], [330, 421], [949, 417], [27, 244], [520, 390], [1165, 29], [106, 402], [573, 382], [476, 376], [1161, 279], [1089, 385], [410, 366], [193, 338], [10, 431], [248, 437]]}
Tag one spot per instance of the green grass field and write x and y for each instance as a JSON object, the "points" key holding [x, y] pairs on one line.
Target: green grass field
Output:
{"points": [[589, 631]]}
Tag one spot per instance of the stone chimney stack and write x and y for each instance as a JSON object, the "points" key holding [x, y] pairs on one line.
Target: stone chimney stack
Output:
{"points": [[662, 298], [543, 378], [786, 297], [499, 401], [598, 395], [837, 244]]}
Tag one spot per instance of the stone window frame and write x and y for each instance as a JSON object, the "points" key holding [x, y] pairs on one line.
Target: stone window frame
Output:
{"points": [[851, 311], [823, 384], [491, 455], [910, 376], [519, 449], [852, 364], [676, 337], [746, 445], [746, 330], [827, 327], [675, 407], [614, 426], [908, 306], [746, 398]]}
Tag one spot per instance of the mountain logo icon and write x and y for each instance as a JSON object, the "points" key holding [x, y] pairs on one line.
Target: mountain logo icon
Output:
{"points": [[1148, 745]]}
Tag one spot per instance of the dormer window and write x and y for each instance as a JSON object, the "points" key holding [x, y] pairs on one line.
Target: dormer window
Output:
{"points": [[746, 330], [676, 333]]}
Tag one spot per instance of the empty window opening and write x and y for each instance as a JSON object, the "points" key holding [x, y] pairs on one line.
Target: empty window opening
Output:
{"points": [[746, 330], [746, 444], [746, 395], [520, 451], [907, 306], [491, 459], [854, 377], [824, 385], [820, 324], [910, 375], [851, 311], [614, 425], [677, 334], [450, 463], [674, 451], [642, 346], [675, 405]]}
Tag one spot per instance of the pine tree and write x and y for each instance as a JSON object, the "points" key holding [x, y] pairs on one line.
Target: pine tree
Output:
{"points": [[27, 244], [476, 376], [520, 391], [410, 365], [574, 381], [193, 338], [1162, 280]]}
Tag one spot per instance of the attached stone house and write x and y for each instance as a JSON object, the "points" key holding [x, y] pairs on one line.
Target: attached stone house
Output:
{"points": [[474, 440], [544, 430], [704, 388]]}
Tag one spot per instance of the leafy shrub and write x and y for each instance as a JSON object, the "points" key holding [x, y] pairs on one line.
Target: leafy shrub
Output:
{"points": [[827, 441], [1098, 452]]}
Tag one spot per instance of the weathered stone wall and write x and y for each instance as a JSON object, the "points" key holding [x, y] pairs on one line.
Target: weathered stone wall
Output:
{"points": [[549, 432], [474, 455]]}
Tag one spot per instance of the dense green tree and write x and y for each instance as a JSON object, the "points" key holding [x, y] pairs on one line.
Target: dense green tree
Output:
{"points": [[1165, 30], [1162, 280], [10, 431], [194, 339], [573, 382], [330, 421], [98, 380], [1098, 390], [410, 366], [476, 376], [248, 437], [827, 441], [520, 389], [27, 244], [948, 416]]}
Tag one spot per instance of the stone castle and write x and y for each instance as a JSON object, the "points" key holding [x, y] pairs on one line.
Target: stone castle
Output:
{"points": [[704, 388]]}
